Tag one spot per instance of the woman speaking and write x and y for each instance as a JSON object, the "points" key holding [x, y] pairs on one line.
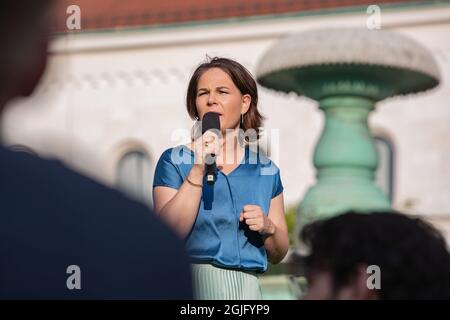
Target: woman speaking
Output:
{"points": [[232, 228]]}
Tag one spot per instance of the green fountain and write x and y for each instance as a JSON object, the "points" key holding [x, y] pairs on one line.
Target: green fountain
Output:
{"points": [[347, 71]]}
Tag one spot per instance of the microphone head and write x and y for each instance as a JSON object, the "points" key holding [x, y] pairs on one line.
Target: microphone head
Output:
{"points": [[210, 121]]}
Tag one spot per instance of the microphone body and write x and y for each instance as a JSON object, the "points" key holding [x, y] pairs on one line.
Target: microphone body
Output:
{"points": [[211, 169], [210, 121]]}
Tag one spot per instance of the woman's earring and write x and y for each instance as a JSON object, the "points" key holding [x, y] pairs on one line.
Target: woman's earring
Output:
{"points": [[241, 133]]}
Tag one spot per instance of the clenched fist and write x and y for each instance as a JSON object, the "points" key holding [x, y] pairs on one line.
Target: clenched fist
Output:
{"points": [[254, 217]]}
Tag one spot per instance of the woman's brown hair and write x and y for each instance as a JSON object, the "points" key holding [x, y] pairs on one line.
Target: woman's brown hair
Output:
{"points": [[241, 78]]}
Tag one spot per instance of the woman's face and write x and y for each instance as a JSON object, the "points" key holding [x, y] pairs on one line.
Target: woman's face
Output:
{"points": [[216, 92]]}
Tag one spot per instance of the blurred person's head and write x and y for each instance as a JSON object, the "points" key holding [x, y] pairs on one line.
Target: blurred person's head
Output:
{"points": [[24, 27], [225, 86], [412, 256]]}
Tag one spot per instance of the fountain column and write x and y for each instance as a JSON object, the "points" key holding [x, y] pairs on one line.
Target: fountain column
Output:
{"points": [[347, 71]]}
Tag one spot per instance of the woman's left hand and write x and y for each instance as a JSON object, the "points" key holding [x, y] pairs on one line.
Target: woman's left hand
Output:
{"points": [[257, 220]]}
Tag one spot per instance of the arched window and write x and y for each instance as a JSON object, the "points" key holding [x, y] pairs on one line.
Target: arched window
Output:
{"points": [[385, 171], [135, 176]]}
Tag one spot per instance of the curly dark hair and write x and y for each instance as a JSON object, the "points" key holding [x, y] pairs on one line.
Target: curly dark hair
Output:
{"points": [[412, 255]]}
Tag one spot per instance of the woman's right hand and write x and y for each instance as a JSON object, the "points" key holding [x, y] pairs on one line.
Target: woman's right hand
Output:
{"points": [[209, 143]]}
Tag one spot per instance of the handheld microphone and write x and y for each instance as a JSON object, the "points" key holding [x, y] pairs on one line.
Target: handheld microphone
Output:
{"points": [[210, 121]]}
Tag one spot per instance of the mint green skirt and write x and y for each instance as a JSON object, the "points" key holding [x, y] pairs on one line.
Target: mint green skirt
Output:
{"points": [[214, 283]]}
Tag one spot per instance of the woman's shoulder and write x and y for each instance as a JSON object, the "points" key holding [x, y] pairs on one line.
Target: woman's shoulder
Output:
{"points": [[256, 156], [176, 154]]}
